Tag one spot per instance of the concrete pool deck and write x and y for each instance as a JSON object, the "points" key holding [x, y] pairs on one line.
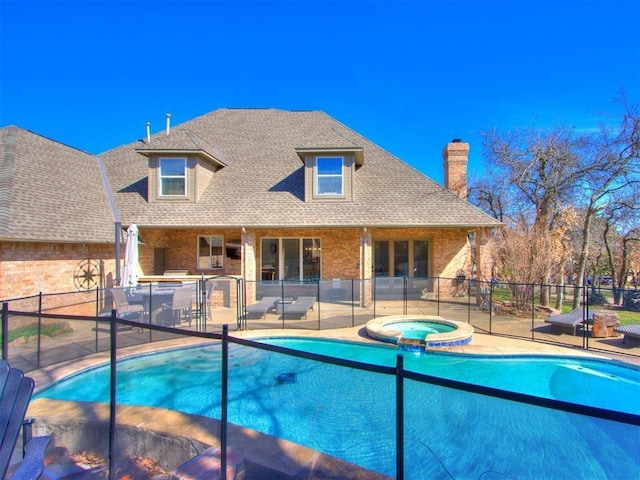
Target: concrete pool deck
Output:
{"points": [[267, 457]]}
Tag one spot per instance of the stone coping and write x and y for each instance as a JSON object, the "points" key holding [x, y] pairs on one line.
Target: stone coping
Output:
{"points": [[170, 438]]}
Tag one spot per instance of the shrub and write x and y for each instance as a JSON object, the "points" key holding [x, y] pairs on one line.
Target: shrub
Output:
{"points": [[597, 298], [47, 329], [632, 300]]}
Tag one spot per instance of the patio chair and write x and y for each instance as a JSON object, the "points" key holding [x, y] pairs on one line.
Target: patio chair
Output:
{"points": [[629, 332], [180, 307], [261, 307], [300, 307], [15, 395], [570, 321], [124, 309]]}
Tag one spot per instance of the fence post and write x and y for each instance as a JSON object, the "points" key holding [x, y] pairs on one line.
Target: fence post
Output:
{"points": [[112, 394], [97, 315], [353, 307], [405, 294], [241, 292], [585, 317], [438, 296], [5, 331], [39, 328], [469, 302], [399, 417], [318, 297], [533, 306], [282, 301], [202, 321], [223, 401], [373, 282], [490, 303], [242, 306]]}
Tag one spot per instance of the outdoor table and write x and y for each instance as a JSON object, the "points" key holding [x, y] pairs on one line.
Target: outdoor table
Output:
{"points": [[280, 302], [153, 296]]}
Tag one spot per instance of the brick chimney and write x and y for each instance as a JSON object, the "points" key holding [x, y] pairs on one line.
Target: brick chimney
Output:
{"points": [[455, 156]]}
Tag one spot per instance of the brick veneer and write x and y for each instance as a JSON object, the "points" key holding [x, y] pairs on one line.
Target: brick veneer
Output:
{"points": [[28, 268]]}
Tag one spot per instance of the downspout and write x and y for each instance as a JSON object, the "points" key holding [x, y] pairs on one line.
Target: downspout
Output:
{"points": [[116, 217]]}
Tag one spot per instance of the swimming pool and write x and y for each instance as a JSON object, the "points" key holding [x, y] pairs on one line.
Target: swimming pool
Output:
{"points": [[449, 433]]}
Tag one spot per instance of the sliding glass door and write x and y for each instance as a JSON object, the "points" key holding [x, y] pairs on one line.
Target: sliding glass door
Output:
{"points": [[291, 259]]}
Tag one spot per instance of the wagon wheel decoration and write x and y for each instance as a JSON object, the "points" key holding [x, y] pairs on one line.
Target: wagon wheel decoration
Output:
{"points": [[87, 274]]}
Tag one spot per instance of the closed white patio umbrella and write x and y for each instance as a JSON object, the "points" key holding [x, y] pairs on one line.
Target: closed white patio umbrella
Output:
{"points": [[131, 273]]}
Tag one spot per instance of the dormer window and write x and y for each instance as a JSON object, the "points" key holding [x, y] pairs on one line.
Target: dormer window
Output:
{"points": [[329, 179], [172, 177], [331, 160], [181, 165]]}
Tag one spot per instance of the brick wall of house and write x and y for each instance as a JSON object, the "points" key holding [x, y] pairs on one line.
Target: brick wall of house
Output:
{"points": [[29, 268], [181, 250]]}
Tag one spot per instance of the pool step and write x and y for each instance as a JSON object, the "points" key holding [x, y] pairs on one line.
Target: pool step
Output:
{"points": [[411, 344]]}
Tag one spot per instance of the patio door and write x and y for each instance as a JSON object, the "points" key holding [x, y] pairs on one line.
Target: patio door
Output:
{"points": [[291, 259], [393, 258]]}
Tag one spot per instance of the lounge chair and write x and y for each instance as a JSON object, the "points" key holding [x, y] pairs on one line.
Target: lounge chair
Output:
{"points": [[15, 395], [629, 332], [568, 321], [261, 307], [299, 308]]}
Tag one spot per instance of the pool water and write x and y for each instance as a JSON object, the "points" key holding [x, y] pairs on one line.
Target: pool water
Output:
{"points": [[420, 330], [448, 433]]}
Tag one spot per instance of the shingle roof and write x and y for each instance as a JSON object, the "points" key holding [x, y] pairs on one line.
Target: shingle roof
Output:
{"points": [[182, 140], [263, 184], [50, 192]]}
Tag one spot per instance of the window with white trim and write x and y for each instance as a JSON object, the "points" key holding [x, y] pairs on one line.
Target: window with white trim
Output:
{"points": [[210, 252], [329, 176], [172, 177]]}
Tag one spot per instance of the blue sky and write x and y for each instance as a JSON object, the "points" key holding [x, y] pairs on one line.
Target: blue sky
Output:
{"points": [[408, 75]]}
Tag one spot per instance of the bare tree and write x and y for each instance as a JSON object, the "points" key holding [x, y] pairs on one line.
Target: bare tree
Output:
{"points": [[611, 170], [532, 181], [620, 233], [532, 177]]}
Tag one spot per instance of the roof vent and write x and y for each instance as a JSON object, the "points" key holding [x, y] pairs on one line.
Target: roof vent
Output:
{"points": [[456, 140], [168, 123], [148, 131]]}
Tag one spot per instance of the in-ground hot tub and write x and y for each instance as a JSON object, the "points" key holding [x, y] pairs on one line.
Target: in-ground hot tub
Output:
{"points": [[430, 331]]}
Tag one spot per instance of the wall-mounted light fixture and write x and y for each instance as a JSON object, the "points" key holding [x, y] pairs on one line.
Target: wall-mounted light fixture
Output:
{"points": [[472, 239]]}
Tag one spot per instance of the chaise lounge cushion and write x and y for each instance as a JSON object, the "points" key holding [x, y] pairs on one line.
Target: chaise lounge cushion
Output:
{"points": [[300, 307], [629, 331], [569, 320], [261, 307]]}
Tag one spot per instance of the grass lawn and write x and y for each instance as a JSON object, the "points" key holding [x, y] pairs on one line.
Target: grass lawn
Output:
{"points": [[626, 316]]}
